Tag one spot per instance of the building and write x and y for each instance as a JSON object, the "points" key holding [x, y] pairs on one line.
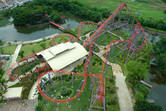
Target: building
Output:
{"points": [[65, 56], [13, 93], [9, 4]]}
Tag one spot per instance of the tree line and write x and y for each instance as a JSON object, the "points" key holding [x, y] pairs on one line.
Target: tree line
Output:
{"points": [[159, 51], [35, 14]]}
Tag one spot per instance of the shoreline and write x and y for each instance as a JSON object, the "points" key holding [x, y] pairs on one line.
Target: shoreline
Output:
{"points": [[32, 41]]}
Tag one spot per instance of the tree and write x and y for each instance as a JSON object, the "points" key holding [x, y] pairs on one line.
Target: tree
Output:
{"points": [[64, 91], [21, 54], [145, 106], [137, 71], [55, 17], [33, 51], [160, 46], [39, 107], [160, 52], [43, 45], [161, 59]]}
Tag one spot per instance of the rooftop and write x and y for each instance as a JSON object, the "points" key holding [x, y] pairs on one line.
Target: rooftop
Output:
{"points": [[64, 54], [13, 93]]}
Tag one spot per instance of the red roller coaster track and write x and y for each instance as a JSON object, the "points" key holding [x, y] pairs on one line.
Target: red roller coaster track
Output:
{"points": [[90, 43]]}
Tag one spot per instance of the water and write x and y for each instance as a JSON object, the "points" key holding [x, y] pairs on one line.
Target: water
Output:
{"points": [[157, 79], [9, 32]]}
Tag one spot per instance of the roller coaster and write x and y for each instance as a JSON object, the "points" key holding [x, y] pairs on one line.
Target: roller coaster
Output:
{"points": [[120, 22]]}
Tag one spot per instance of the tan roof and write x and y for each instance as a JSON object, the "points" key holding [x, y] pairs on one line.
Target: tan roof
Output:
{"points": [[13, 93], [64, 54]]}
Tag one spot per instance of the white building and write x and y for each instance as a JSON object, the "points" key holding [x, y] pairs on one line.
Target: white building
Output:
{"points": [[64, 56], [13, 93]]}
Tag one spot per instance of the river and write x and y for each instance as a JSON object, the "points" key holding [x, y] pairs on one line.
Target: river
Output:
{"points": [[9, 32]]}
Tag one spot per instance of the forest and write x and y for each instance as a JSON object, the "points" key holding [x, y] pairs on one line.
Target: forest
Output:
{"points": [[33, 13]]}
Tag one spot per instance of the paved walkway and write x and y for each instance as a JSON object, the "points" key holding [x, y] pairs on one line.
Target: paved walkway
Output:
{"points": [[12, 83], [124, 95], [19, 105], [33, 93]]}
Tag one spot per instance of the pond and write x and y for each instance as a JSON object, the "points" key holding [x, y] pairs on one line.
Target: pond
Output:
{"points": [[9, 32], [157, 79]]}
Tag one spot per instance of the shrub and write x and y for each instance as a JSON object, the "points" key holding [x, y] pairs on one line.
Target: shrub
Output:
{"points": [[145, 106], [112, 89], [139, 96], [112, 79], [43, 45], [39, 108], [165, 11], [64, 91], [114, 100], [164, 1], [142, 88]]}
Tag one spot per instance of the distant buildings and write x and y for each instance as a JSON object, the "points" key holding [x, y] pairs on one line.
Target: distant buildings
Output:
{"points": [[9, 4]]}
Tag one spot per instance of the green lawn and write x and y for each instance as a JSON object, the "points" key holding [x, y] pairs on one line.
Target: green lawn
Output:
{"points": [[104, 39], [28, 48], [148, 8], [84, 103], [76, 105], [62, 39], [26, 67], [9, 49]]}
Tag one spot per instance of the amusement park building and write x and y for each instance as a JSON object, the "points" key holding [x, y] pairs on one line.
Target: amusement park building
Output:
{"points": [[64, 56], [13, 93]]}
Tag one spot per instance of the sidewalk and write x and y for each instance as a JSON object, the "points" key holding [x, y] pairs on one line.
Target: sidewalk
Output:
{"points": [[124, 96]]}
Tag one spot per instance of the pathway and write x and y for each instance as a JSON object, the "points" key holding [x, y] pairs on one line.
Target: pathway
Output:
{"points": [[19, 105], [33, 93], [124, 95], [14, 58]]}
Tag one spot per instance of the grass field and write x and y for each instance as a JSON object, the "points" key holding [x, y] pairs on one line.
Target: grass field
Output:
{"points": [[29, 48], [84, 103], [76, 105], [62, 39], [104, 39], [9, 50], [146, 8]]}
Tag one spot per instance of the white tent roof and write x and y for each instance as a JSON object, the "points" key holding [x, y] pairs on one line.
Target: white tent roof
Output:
{"points": [[64, 54], [13, 93]]}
